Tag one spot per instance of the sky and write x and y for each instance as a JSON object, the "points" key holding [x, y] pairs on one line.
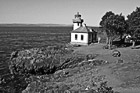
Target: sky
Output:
{"points": [[61, 11]]}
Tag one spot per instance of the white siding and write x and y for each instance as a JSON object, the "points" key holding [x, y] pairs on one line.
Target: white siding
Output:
{"points": [[79, 41], [77, 25]]}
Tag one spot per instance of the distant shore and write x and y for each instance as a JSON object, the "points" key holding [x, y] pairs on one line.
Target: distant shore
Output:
{"points": [[35, 25]]}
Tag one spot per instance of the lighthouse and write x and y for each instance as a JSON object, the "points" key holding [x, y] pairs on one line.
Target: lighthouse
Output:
{"points": [[81, 34], [77, 21]]}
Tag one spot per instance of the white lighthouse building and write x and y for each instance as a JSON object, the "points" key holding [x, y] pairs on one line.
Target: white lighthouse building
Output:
{"points": [[77, 21], [81, 34]]}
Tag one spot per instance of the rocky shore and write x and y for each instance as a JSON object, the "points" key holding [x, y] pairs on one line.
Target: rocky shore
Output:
{"points": [[54, 69]]}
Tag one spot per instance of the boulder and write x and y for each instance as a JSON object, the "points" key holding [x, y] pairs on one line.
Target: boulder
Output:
{"points": [[116, 53]]}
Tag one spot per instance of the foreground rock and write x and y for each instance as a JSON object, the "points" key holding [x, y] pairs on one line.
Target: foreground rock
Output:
{"points": [[58, 69]]}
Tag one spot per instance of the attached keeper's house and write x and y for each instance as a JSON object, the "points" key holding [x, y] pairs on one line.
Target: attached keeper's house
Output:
{"points": [[81, 34]]}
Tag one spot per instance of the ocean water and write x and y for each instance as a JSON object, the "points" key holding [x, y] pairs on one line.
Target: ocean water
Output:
{"points": [[17, 38]]}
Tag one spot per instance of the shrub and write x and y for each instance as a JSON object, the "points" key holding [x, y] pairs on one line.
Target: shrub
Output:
{"points": [[104, 88], [38, 60]]}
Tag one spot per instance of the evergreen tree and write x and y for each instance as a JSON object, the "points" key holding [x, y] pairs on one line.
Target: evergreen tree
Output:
{"points": [[113, 25], [133, 21]]}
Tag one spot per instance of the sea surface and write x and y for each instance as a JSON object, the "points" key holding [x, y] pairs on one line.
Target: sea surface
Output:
{"points": [[17, 38]]}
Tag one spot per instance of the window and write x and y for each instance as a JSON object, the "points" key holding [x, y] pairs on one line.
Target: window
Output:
{"points": [[76, 37], [82, 37]]}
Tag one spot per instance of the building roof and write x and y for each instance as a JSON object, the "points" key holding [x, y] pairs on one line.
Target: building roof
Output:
{"points": [[83, 29], [79, 20]]}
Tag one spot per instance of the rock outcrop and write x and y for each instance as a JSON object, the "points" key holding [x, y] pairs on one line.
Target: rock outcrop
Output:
{"points": [[56, 69], [39, 61]]}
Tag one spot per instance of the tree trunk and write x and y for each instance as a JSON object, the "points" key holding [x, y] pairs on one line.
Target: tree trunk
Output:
{"points": [[133, 43], [122, 39], [107, 40], [109, 43]]}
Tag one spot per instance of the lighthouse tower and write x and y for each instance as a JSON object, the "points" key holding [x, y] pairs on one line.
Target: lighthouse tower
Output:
{"points": [[81, 35], [77, 21]]}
